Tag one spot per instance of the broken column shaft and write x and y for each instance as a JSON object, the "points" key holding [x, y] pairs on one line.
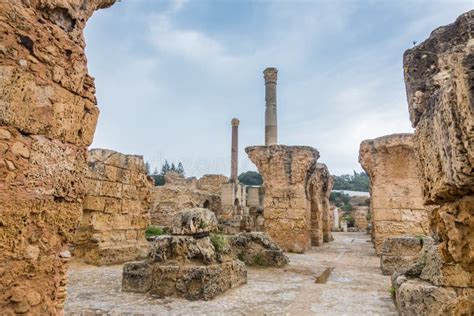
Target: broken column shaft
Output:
{"points": [[270, 75], [235, 150]]}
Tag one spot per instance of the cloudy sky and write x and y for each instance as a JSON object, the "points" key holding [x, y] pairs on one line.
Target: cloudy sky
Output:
{"points": [[171, 74]]}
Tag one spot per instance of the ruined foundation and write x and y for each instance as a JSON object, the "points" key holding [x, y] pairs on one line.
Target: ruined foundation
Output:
{"points": [[116, 209], [439, 81], [287, 207], [48, 114], [396, 198], [187, 264]]}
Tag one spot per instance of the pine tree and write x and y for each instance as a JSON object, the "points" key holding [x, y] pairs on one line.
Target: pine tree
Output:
{"points": [[147, 167], [165, 168], [180, 169], [173, 167]]}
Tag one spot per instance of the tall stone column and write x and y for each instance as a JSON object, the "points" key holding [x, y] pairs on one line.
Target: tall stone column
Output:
{"points": [[270, 75], [235, 150]]}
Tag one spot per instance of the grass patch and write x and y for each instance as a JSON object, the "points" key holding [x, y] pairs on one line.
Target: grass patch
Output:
{"points": [[219, 242], [392, 291], [155, 231]]}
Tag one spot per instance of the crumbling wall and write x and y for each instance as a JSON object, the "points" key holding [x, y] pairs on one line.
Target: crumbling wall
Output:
{"points": [[180, 193], [319, 188], [286, 171], [116, 209], [360, 214], [396, 198], [48, 114], [439, 81]]}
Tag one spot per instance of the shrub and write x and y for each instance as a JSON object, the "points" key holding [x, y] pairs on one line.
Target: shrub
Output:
{"points": [[219, 242], [155, 231]]}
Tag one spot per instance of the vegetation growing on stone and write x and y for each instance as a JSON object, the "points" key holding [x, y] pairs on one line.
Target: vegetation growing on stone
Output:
{"points": [[219, 242], [155, 231]]}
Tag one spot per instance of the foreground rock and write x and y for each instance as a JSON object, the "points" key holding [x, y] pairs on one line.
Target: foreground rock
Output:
{"points": [[48, 115], [116, 209], [396, 199], [189, 265], [257, 249], [400, 253], [439, 82]]}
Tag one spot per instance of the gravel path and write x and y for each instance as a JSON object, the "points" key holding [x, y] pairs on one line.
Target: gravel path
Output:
{"points": [[355, 287]]}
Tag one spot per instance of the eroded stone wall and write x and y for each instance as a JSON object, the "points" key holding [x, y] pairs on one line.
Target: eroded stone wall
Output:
{"points": [[439, 81], [180, 193], [286, 171], [318, 190], [48, 114], [396, 191], [115, 210]]}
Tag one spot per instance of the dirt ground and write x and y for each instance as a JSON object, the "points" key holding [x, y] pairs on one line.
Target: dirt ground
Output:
{"points": [[355, 287]]}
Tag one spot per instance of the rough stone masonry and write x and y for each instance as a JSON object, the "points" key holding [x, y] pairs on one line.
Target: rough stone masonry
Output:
{"points": [[439, 79], [396, 199], [48, 114], [116, 209]]}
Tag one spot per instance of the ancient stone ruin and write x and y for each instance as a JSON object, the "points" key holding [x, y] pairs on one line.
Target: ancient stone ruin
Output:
{"points": [[116, 209], [179, 193], [188, 263], [396, 198], [296, 200], [48, 114], [439, 82], [257, 249]]}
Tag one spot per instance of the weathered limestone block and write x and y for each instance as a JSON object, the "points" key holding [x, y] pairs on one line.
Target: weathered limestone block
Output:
{"points": [[115, 207], [48, 114], [285, 171], [180, 193], [399, 253], [189, 265], [417, 297], [439, 83], [396, 201], [360, 214], [256, 248], [194, 221]]}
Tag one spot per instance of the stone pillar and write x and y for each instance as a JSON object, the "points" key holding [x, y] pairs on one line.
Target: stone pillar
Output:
{"points": [[234, 151], [396, 197], [336, 218], [270, 75], [285, 170]]}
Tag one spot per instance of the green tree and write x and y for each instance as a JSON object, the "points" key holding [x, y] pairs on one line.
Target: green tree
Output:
{"points": [[355, 182], [251, 178], [147, 167], [181, 169]]}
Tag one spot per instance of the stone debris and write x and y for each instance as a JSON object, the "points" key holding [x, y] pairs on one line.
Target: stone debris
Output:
{"points": [[115, 210], [186, 264], [257, 249], [396, 198]]}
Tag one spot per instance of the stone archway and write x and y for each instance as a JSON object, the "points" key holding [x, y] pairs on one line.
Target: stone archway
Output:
{"points": [[48, 115]]}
